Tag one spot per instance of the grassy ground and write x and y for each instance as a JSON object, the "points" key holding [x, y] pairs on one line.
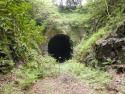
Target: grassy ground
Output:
{"points": [[89, 78]]}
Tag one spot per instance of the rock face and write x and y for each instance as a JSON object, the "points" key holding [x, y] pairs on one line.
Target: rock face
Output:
{"points": [[112, 48]]}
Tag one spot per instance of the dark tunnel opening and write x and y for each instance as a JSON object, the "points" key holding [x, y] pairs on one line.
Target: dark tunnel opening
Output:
{"points": [[60, 47]]}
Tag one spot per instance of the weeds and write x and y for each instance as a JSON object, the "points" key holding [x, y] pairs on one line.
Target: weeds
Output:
{"points": [[27, 74], [87, 74]]}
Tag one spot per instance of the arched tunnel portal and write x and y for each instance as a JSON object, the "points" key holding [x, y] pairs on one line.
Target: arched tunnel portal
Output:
{"points": [[60, 47]]}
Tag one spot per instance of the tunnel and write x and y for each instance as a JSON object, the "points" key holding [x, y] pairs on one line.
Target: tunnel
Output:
{"points": [[60, 47]]}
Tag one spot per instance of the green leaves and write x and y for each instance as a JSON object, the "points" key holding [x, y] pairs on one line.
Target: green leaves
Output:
{"points": [[19, 9], [18, 31]]}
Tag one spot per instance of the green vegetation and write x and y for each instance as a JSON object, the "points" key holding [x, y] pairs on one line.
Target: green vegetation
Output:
{"points": [[90, 75], [26, 77], [109, 23], [19, 33], [30, 72], [21, 39]]}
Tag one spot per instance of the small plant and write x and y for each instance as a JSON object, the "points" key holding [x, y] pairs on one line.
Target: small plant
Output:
{"points": [[39, 68], [94, 77]]}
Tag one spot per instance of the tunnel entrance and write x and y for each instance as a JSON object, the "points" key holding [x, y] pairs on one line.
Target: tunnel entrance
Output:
{"points": [[60, 47]]}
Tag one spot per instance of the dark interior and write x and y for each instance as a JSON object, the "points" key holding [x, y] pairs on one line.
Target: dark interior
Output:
{"points": [[60, 47]]}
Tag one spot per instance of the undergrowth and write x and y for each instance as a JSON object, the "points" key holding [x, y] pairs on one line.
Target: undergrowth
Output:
{"points": [[112, 22], [26, 75], [38, 66], [30, 72], [94, 77]]}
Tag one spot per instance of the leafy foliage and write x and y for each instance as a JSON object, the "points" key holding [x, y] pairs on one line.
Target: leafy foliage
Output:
{"points": [[105, 18], [19, 33], [39, 68], [20, 37]]}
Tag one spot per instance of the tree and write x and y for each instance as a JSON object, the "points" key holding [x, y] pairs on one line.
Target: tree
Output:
{"points": [[68, 4]]}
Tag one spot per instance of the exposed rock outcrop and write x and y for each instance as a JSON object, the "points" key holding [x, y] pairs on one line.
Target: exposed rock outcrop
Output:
{"points": [[112, 48]]}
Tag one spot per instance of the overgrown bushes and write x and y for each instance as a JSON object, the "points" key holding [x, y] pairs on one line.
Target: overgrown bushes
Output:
{"points": [[112, 16], [18, 32]]}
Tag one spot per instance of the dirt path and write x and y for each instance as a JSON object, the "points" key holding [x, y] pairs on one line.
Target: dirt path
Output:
{"points": [[117, 84], [67, 83], [63, 84]]}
